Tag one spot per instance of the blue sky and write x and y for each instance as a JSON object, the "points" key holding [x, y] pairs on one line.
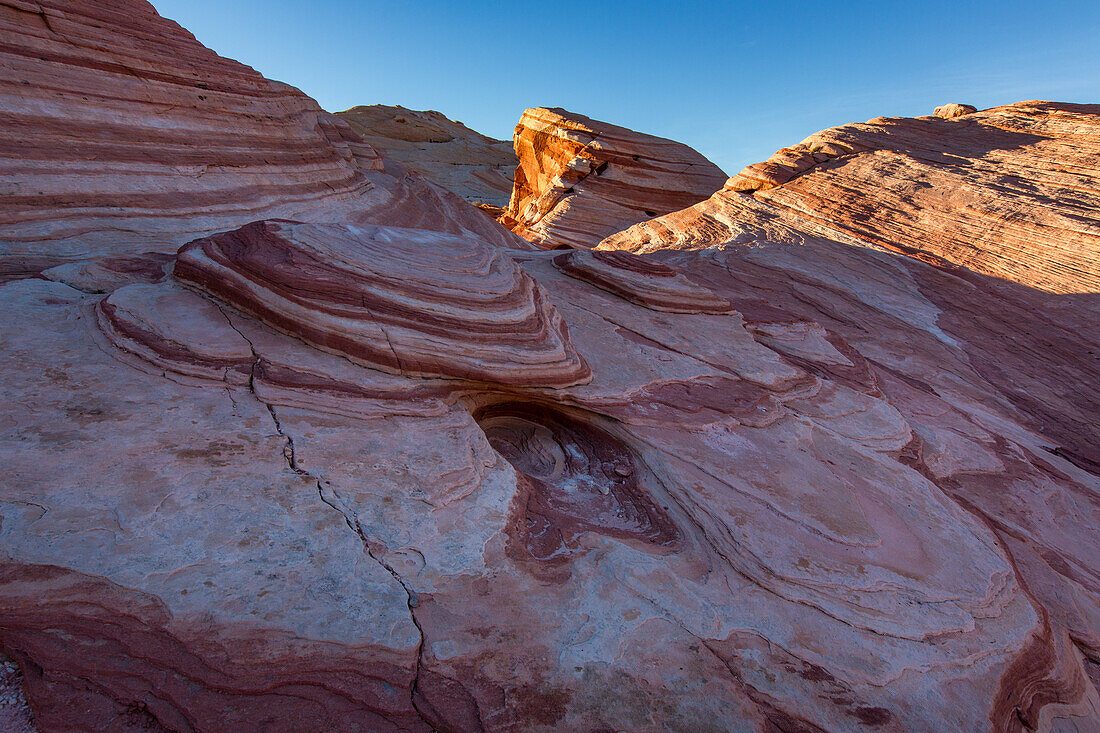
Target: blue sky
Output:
{"points": [[735, 80]]}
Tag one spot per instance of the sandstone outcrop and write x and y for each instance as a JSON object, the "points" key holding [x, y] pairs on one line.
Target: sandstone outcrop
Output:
{"points": [[122, 134], [474, 166], [379, 472], [1008, 192], [384, 297], [579, 180], [953, 110], [641, 281], [705, 500]]}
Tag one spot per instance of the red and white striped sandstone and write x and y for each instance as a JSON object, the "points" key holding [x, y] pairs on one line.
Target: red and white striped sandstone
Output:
{"points": [[120, 133], [642, 281], [352, 476], [383, 296], [1009, 192], [579, 179]]}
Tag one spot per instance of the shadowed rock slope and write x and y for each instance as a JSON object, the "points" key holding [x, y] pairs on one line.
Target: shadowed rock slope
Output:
{"points": [[375, 472], [446, 152]]}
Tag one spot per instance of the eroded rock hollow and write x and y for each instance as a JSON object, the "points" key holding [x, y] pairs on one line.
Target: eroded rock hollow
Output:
{"points": [[576, 478]]}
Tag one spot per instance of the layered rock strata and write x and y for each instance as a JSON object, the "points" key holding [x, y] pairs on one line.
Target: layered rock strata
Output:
{"points": [[350, 477], [385, 297], [579, 180], [703, 500], [1009, 192], [474, 166], [120, 133], [642, 281]]}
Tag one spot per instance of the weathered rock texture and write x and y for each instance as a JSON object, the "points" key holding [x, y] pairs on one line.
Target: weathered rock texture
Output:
{"points": [[120, 133], [476, 167], [385, 297], [642, 281], [817, 511], [953, 110], [15, 715], [579, 180], [1010, 192], [371, 477]]}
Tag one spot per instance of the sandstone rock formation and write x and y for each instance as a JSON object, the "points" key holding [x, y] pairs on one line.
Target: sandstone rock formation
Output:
{"points": [[1009, 192], [579, 180], [384, 297], [725, 490], [641, 281], [953, 110], [476, 167], [380, 473], [122, 134]]}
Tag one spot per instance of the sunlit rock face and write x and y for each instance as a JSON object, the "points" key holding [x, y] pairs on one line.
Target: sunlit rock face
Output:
{"points": [[579, 179], [1009, 192], [474, 166], [382, 473], [954, 109], [122, 134]]}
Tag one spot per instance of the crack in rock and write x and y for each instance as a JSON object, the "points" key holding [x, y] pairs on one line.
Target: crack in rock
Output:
{"points": [[291, 457]]}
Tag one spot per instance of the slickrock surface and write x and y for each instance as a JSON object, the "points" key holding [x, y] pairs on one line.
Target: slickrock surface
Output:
{"points": [[120, 133], [387, 297], [379, 472], [641, 281], [476, 167], [1010, 192], [815, 512], [579, 179]]}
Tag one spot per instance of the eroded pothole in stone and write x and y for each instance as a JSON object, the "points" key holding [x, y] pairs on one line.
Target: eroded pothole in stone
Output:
{"points": [[575, 478]]}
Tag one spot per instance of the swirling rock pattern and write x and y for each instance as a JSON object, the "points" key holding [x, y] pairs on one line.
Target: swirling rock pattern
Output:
{"points": [[177, 331], [357, 477], [645, 282], [383, 296], [579, 179], [1009, 192], [122, 134], [578, 478], [709, 500]]}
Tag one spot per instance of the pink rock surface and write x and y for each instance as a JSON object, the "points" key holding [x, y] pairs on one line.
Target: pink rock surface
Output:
{"points": [[719, 498], [384, 297], [641, 281], [386, 472], [122, 134], [579, 179]]}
